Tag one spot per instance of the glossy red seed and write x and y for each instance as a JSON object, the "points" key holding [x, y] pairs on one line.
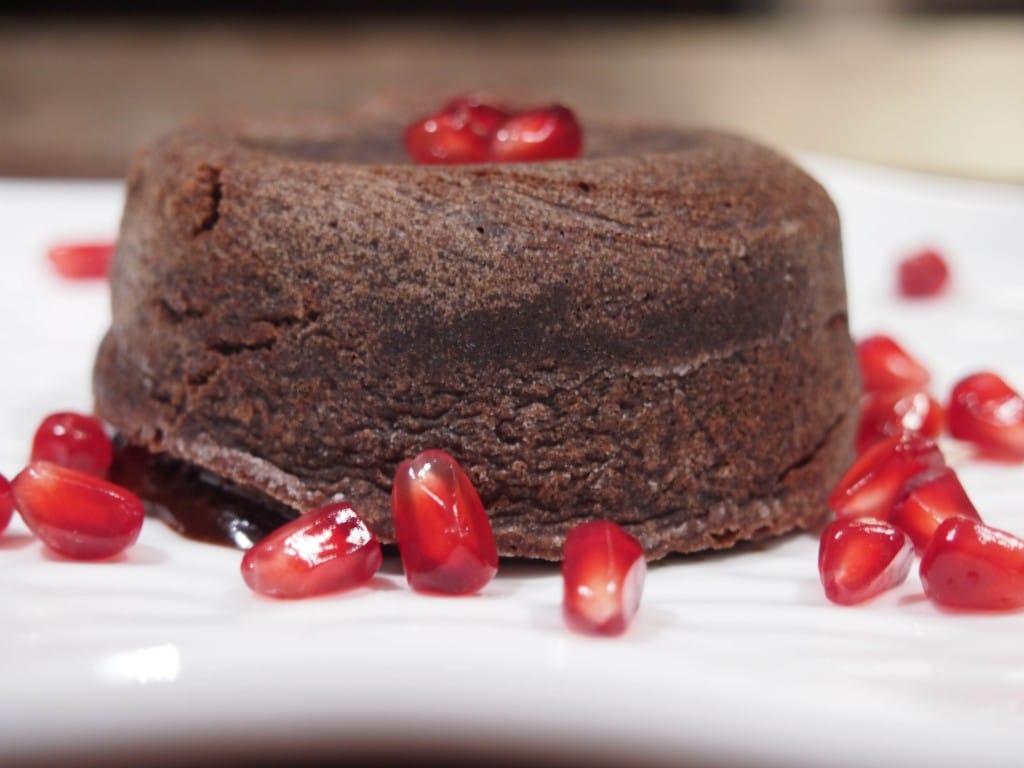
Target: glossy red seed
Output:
{"points": [[552, 133], [884, 414], [879, 475], [969, 565], [483, 119], [988, 412], [444, 535], [6, 503], [930, 499], [76, 514], [446, 139], [82, 260], [885, 366], [861, 558], [922, 274], [603, 570], [325, 550], [73, 440]]}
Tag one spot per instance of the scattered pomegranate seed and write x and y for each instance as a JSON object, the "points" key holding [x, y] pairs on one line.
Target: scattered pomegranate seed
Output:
{"points": [[73, 440], [986, 411], [884, 414], [878, 476], [603, 569], [886, 366], [861, 558], [932, 498], [325, 550], [76, 514], [6, 503], [969, 565], [444, 536], [82, 260], [923, 274], [446, 138], [540, 134]]}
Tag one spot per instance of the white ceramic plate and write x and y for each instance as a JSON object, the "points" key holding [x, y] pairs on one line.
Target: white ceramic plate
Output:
{"points": [[734, 659]]}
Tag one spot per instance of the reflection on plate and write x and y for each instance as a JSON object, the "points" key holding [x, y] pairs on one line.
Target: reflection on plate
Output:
{"points": [[733, 659]]}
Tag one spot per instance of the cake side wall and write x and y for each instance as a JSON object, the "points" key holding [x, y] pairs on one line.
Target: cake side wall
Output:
{"points": [[659, 341]]}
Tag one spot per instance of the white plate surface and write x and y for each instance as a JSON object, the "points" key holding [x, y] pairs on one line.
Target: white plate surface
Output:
{"points": [[734, 659]]}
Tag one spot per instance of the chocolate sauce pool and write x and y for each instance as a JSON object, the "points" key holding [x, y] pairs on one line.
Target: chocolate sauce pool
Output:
{"points": [[193, 502]]}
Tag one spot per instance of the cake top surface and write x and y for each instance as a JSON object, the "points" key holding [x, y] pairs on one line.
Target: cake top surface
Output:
{"points": [[377, 139]]}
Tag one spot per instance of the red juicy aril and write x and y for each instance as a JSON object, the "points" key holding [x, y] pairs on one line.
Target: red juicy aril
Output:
{"points": [[466, 130], [82, 260], [446, 138], [888, 413], [860, 558], [540, 134], [483, 119], [922, 274], [73, 440], [986, 411], [930, 499], [969, 565], [603, 569], [886, 366], [444, 535], [325, 550], [878, 476], [77, 514], [6, 503]]}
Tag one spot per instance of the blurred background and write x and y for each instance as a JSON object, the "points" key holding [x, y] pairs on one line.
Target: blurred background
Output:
{"points": [[933, 85]]}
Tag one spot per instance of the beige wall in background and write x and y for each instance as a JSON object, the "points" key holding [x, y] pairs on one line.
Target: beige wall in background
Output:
{"points": [[943, 95]]}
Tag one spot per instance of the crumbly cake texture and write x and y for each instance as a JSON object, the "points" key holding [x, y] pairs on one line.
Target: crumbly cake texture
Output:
{"points": [[655, 333]]}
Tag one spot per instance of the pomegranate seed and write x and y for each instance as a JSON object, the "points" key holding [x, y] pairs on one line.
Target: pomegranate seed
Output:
{"points": [[603, 570], [82, 260], [540, 134], [443, 533], [970, 565], [6, 503], [76, 514], [885, 365], [73, 440], [482, 119], [930, 499], [878, 476], [987, 412], [861, 558], [325, 550], [884, 414], [446, 138], [923, 274], [468, 131]]}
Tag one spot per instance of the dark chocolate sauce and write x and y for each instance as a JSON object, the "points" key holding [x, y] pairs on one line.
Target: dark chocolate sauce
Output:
{"points": [[193, 502]]}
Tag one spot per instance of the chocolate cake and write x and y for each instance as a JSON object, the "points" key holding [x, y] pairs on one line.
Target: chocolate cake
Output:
{"points": [[654, 333]]}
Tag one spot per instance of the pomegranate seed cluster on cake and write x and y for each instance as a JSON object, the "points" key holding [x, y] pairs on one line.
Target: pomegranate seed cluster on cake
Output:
{"points": [[654, 333]]}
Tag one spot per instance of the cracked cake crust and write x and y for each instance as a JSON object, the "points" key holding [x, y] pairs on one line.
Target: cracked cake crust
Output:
{"points": [[655, 333]]}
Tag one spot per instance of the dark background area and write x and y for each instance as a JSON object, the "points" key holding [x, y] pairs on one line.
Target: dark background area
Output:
{"points": [[364, 7], [341, 8]]}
